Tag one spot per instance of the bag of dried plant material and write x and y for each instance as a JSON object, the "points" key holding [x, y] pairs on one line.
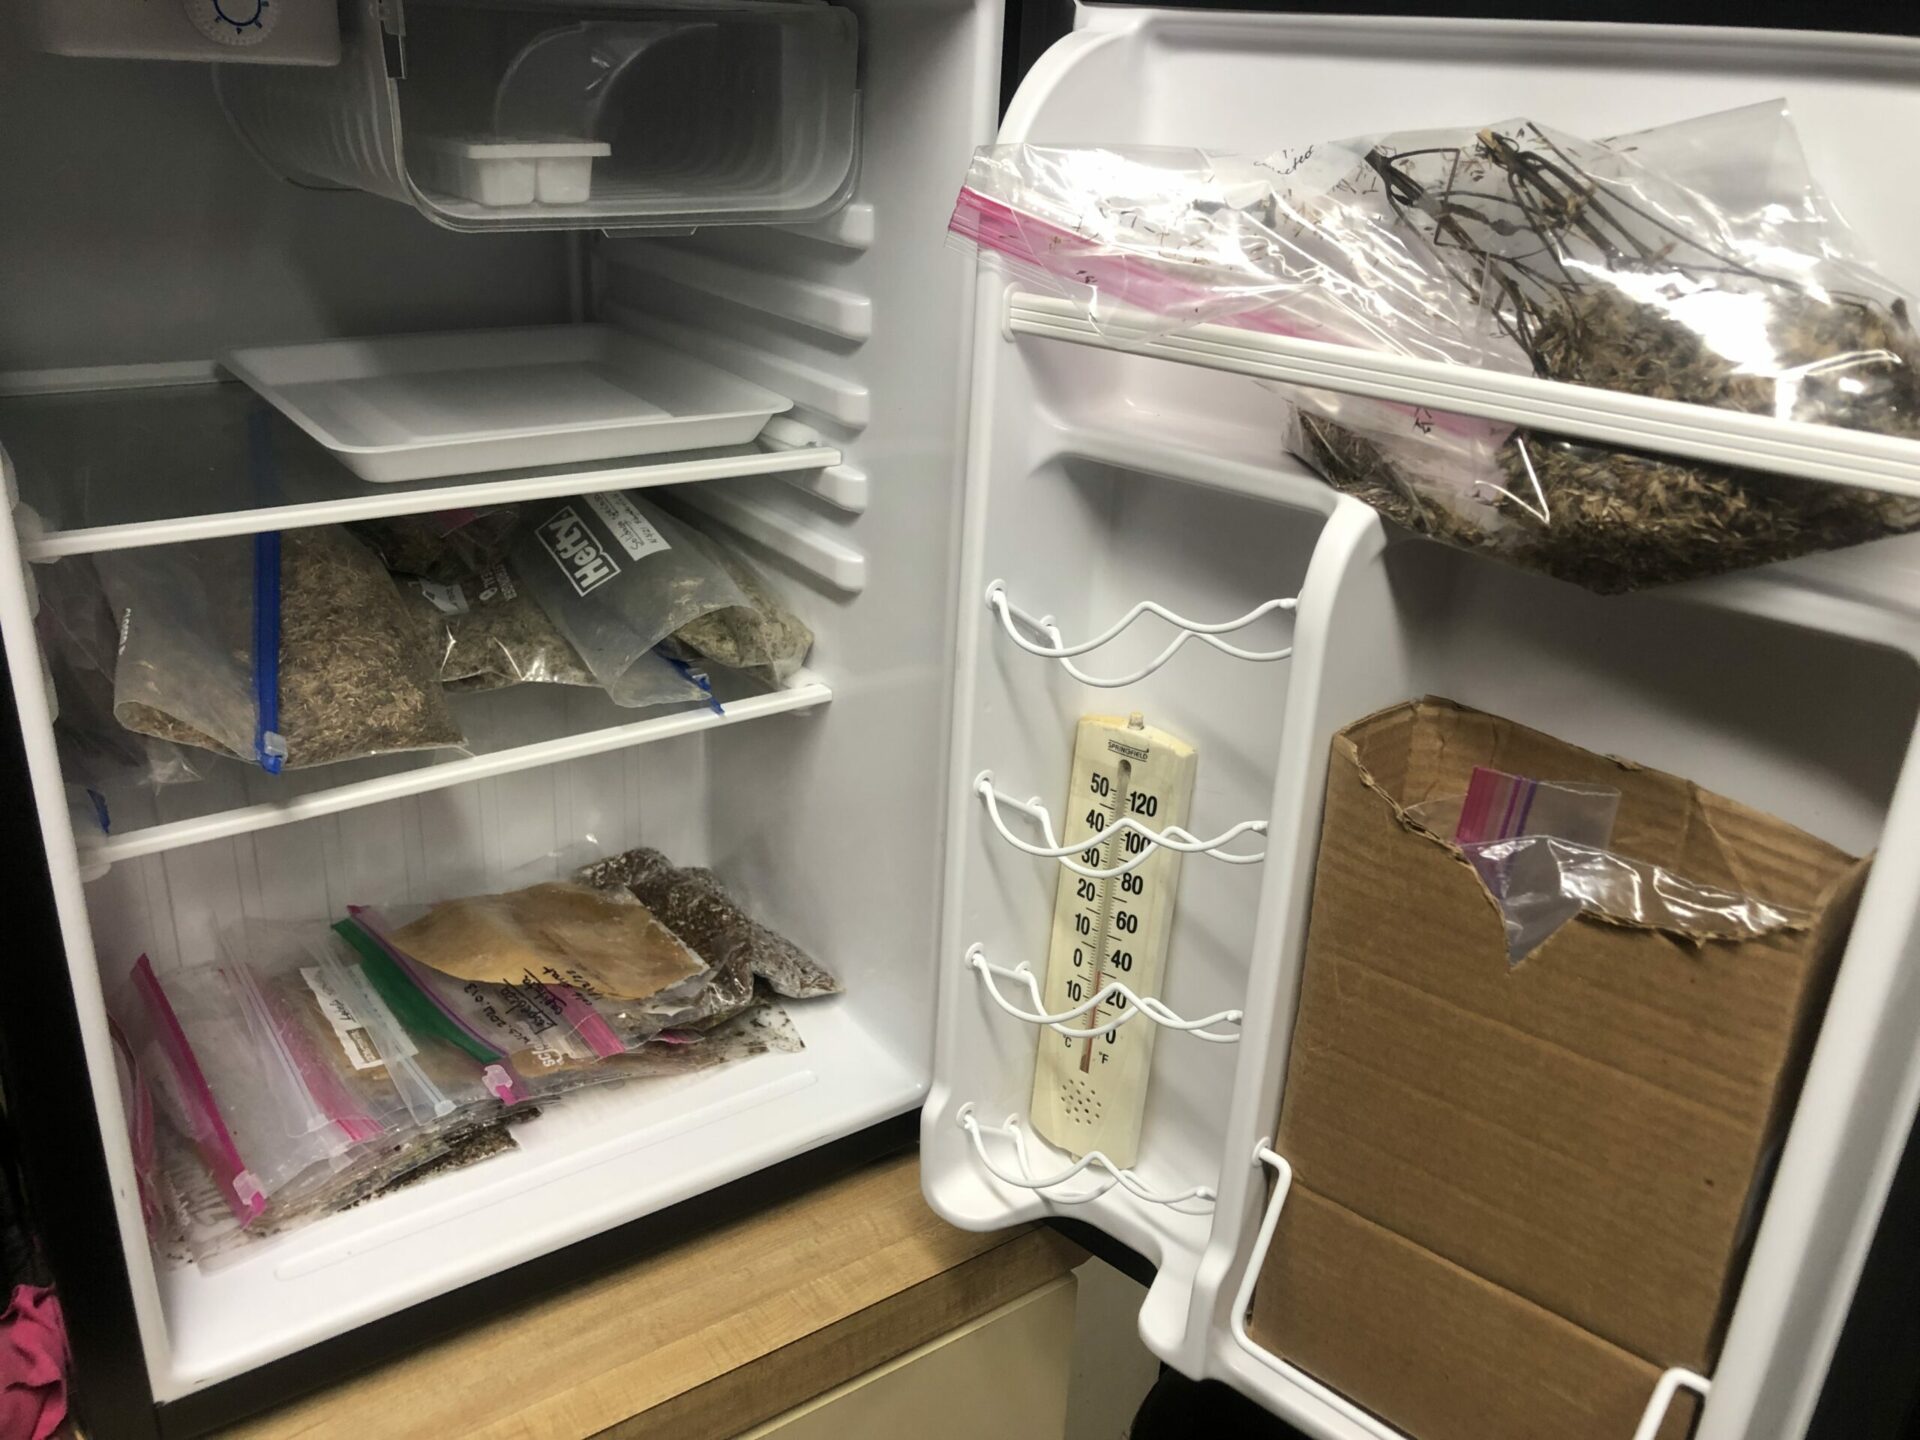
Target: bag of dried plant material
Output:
{"points": [[618, 575], [488, 632], [444, 545], [1696, 262], [692, 903], [763, 638], [76, 629], [283, 650]]}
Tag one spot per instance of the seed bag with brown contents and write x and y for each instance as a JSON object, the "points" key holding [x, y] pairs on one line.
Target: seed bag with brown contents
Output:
{"points": [[1697, 262], [350, 676], [764, 637]]}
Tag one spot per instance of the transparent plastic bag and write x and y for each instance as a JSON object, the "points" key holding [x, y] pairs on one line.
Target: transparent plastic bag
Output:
{"points": [[516, 1028], [763, 638], [486, 632], [1541, 849], [618, 575], [1696, 262], [317, 988], [285, 650], [443, 545], [224, 1078], [77, 633], [694, 905]]}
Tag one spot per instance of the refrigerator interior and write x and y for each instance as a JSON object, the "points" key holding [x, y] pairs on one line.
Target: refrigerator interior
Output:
{"points": [[159, 240], [1792, 688]]}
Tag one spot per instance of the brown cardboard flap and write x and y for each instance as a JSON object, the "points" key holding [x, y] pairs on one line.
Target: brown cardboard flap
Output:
{"points": [[1582, 1129], [1433, 1349]]}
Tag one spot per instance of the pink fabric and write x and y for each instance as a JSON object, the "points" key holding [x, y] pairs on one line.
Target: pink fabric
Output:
{"points": [[33, 1366]]}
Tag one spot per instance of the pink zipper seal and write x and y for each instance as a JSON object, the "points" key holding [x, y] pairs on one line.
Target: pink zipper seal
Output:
{"points": [[242, 1188]]}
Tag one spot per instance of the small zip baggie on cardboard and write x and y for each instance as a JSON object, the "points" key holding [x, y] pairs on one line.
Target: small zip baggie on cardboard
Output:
{"points": [[1521, 1192]]}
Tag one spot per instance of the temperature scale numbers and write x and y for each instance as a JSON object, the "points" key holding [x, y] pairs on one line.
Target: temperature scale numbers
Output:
{"points": [[1090, 1093]]}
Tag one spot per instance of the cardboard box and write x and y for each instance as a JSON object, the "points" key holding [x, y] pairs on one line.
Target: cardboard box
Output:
{"points": [[1434, 1349], [1587, 1131]]}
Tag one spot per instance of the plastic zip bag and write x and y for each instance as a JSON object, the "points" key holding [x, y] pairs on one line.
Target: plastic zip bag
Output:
{"points": [[1541, 849], [76, 630], [617, 575], [316, 985], [444, 545], [225, 1080], [487, 632], [518, 1030], [290, 649], [1695, 262], [695, 906], [763, 638]]}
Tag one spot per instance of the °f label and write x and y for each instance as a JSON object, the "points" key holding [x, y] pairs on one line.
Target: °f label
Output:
{"points": [[1090, 1094]]}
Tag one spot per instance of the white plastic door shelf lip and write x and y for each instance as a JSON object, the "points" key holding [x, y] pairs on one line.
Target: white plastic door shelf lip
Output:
{"points": [[1195, 1199], [411, 407], [1013, 619], [187, 482], [1699, 432], [803, 692], [1670, 1383], [1135, 1005], [1172, 838]]}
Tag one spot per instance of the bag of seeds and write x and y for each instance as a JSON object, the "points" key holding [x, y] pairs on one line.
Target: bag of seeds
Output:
{"points": [[285, 650], [445, 545], [763, 637], [1695, 262], [76, 629], [617, 575]]}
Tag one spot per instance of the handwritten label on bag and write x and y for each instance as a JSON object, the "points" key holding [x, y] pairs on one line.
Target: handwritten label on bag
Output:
{"points": [[632, 530], [353, 1035]]}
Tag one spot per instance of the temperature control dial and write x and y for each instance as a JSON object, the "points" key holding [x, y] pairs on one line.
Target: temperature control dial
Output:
{"points": [[234, 22]]}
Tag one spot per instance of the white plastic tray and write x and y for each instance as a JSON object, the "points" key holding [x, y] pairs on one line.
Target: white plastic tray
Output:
{"points": [[414, 406]]}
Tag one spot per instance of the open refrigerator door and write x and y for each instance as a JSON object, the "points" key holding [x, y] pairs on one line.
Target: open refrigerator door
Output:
{"points": [[1139, 539]]}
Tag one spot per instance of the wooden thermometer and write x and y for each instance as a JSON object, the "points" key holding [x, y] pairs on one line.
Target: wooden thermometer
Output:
{"points": [[1090, 1094]]}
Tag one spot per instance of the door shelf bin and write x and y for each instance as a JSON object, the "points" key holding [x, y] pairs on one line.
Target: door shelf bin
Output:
{"points": [[529, 117], [1687, 679], [1669, 1385]]}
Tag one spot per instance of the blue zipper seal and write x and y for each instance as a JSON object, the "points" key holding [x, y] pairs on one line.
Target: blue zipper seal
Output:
{"points": [[269, 745], [698, 678]]}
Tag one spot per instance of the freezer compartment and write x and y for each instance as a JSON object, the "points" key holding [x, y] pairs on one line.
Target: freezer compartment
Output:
{"points": [[1176, 561], [601, 116], [592, 1159], [1780, 705]]}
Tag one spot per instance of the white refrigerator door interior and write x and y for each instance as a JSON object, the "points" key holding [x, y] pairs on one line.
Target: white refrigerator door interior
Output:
{"points": [[1098, 480]]}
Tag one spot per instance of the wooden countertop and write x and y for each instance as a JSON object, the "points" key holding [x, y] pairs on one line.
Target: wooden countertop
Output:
{"points": [[705, 1339]]}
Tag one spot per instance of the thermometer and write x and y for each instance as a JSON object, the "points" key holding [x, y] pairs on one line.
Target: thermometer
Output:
{"points": [[1090, 1094]]}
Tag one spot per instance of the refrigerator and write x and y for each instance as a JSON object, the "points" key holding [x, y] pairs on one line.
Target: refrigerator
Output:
{"points": [[960, 450]]}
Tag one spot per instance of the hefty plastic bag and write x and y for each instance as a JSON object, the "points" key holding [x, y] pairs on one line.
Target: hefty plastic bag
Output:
{"points": [[1695, 262], [618, 575], [283, 650]]}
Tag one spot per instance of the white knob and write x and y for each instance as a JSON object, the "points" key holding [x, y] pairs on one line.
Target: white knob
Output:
{"points": [[238, 23]]}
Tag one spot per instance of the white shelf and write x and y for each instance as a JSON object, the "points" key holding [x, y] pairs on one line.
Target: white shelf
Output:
{"points": [[1635, 422], [115, 459], [592, 1161], [498, 747]]}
